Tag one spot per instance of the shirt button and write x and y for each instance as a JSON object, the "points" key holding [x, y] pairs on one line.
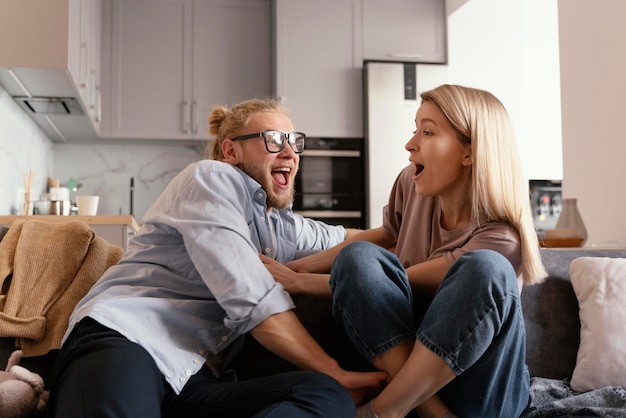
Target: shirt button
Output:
{"points": [[262, 218], [195, 361], [224, 338], [181, 379], [267, 251], [260, 195], [188, 372]]}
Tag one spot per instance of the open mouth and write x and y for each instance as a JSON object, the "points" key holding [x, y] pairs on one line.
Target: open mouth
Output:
{"points": [[418, 169], [281, 175]]}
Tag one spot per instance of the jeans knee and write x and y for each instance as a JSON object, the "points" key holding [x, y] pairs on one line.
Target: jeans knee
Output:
{"points": [[352, 260], [487, 269], [357, 250]]}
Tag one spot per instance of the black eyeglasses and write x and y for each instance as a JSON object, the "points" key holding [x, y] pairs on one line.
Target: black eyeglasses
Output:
{"points": [[275, 140]]}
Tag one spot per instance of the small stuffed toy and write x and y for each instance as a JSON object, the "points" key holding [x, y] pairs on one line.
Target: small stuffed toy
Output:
{"points": [[21, 391]]}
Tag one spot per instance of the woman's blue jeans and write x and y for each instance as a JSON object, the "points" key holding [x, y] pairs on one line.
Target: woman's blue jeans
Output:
{"points": [[474, 323]]}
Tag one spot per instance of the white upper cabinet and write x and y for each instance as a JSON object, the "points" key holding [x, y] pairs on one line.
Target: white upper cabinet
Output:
{"points": [[321, 45], [318, 68], [404, 31], [85, 50], [172, 60]]}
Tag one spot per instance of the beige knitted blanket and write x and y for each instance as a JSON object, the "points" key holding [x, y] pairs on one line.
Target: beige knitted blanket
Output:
{"points": [[45, 269]]}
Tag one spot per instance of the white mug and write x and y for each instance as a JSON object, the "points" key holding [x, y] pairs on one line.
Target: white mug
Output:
{"points": [[87, 205]]}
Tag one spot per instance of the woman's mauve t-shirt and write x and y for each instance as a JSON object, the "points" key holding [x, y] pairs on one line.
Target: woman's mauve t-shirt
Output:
{"points": [[415, 221]]}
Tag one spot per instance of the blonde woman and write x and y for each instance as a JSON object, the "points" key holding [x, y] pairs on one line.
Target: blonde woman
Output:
{"points": [[441, 312]]}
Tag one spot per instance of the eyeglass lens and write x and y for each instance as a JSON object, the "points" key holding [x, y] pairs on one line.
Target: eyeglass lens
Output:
{"points": [[275, 140]]}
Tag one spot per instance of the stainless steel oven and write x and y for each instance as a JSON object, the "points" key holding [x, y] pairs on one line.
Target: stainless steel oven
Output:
{"points": [[330, 185]]}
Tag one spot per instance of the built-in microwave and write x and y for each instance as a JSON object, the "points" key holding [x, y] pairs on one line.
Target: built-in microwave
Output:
{"points": [[330, 185]]}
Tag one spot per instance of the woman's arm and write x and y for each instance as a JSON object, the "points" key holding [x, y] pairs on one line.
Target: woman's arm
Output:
{"points": [[309, 275], [323, 261], [425, 277]]}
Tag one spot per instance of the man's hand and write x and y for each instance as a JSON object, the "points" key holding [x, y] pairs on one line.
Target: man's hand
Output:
{"points": [[282, 274], [363, 386], [285, 336], [298, 283]]}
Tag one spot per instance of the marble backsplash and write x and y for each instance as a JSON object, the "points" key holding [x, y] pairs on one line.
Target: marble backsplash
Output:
{"points": [[104, 169]]}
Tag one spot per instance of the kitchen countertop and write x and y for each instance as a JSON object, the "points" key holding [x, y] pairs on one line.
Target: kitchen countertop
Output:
{"points": [[128, 220]]}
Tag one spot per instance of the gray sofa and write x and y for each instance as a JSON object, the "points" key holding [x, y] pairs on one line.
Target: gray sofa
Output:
{"points": [[550, 309], [552, 334], [550, 313]]}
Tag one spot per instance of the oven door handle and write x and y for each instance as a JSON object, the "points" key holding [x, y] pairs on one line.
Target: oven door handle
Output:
{"points": [[329, 213], [330, 153]]}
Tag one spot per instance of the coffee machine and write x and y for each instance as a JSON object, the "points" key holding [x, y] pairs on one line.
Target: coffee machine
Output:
{"points": [[547, 203]]}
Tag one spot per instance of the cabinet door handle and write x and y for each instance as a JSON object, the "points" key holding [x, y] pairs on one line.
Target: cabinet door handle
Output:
{"points": [[83, 66], [185, 117], [405, 55], [194, 115]]}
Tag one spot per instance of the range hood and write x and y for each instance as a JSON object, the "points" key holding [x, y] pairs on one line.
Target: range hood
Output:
{"points": [[46, 68], [51, 99], [50, 105]]}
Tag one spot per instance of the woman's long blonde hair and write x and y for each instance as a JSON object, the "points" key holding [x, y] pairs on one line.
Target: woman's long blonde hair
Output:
{"points": [[226, 123], [499, 191]]}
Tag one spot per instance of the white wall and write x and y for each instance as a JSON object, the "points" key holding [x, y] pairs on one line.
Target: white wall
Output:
{"points": [[23, 147], [511, 48], [593, 91]]}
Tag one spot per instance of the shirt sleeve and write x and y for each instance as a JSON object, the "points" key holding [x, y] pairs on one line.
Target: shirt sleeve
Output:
{"points": [[315, 235], [212, 210]]}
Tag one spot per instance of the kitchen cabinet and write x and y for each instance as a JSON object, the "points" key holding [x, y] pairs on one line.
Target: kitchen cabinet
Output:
{"points": [[116, 229], [52, 50], [318, 67], [172, 60], [405, 31], [84, 58]]}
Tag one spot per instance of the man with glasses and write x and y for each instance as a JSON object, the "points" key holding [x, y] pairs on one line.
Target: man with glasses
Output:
{"points": [[155, 334]]}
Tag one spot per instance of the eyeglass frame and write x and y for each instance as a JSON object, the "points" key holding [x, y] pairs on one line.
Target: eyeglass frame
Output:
{"points": [[284, 135]]}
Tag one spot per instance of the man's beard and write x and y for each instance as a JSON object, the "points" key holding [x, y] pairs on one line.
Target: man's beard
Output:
{"points": [[260, 175]]}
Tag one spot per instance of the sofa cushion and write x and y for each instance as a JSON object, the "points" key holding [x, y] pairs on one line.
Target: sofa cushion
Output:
{"points": [[551, 314], [600, 287]]}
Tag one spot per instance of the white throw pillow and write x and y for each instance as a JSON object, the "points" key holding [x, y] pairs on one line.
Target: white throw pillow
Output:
{"points": [[600, 287]]}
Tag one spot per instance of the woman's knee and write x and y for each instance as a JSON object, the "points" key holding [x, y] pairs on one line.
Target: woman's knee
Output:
{"points": [[362, 265], [486, 269], [358, 250], [354, 262]]}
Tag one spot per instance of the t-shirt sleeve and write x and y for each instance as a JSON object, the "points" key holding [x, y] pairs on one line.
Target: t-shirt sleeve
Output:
{"points": [[497, 236], [397, 203]]}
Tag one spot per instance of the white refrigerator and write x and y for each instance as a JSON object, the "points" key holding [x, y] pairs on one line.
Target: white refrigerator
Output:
{"points": [[391, 100]]}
